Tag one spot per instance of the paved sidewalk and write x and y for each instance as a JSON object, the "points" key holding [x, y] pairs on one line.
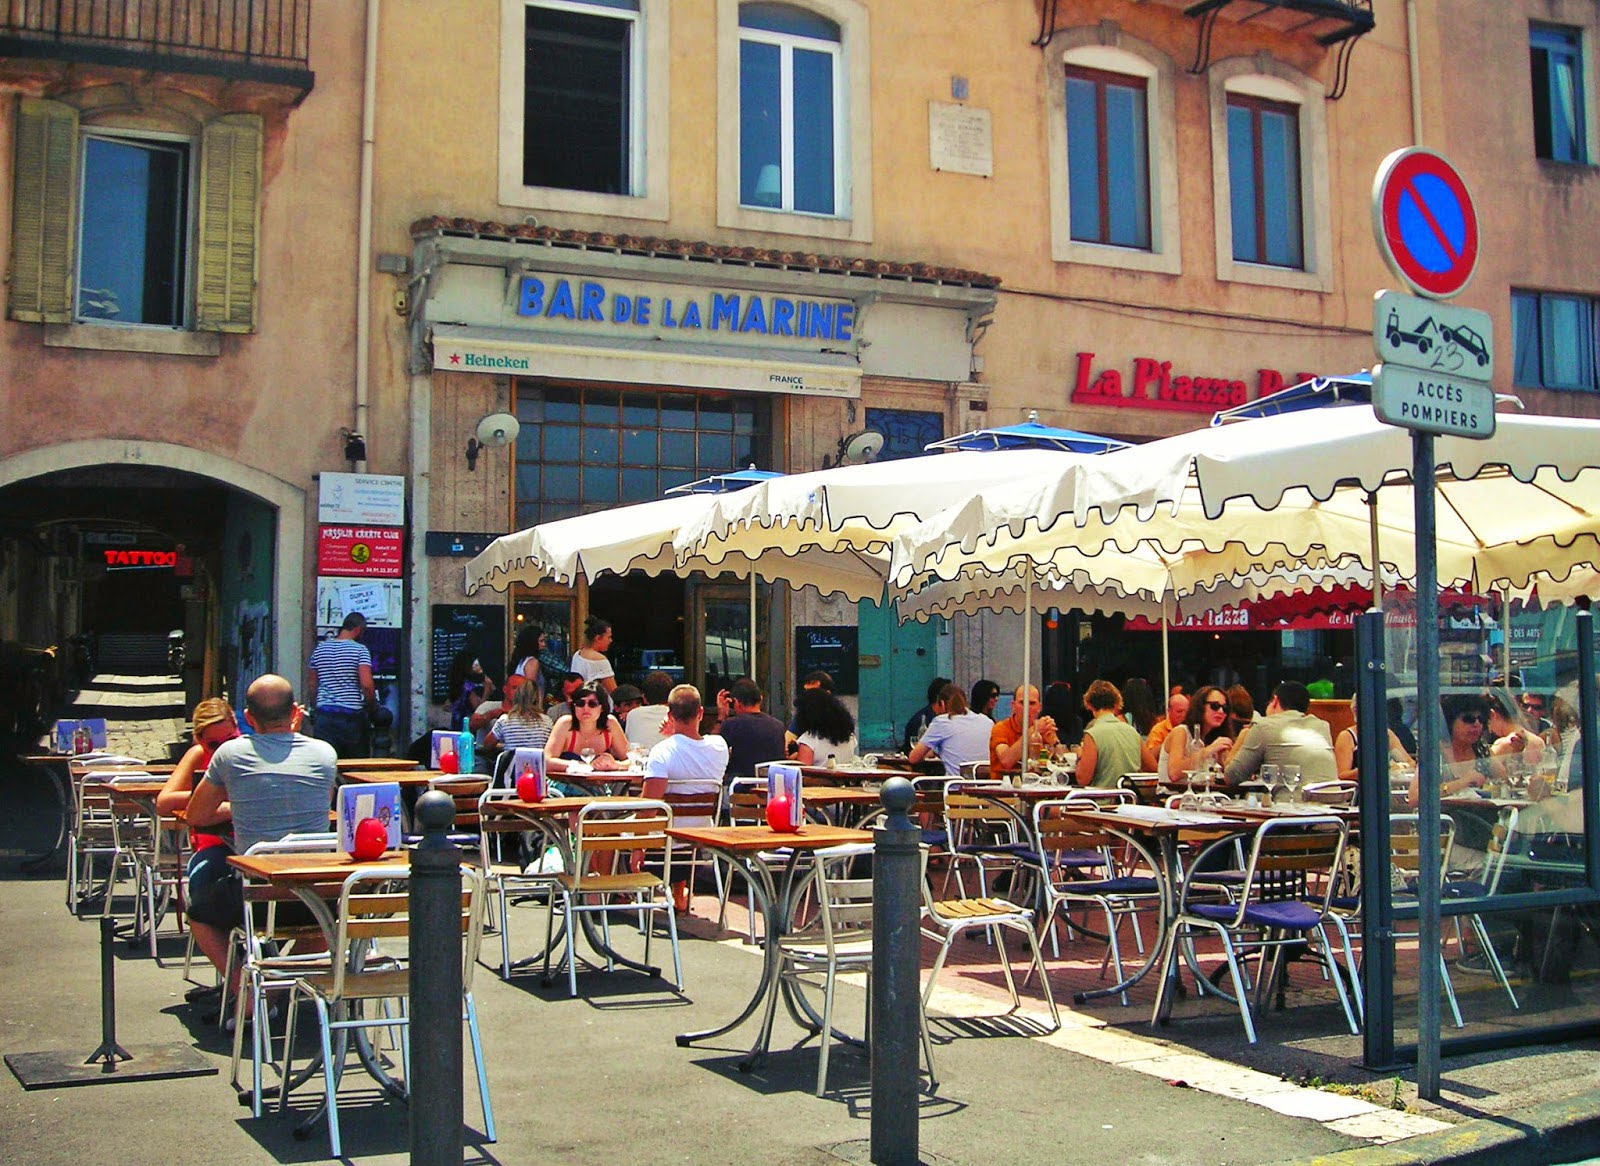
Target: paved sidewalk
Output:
{"points": [[595, 1079]]}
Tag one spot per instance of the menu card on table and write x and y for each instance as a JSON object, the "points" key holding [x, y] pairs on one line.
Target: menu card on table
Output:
{"points": [[380, 800]]}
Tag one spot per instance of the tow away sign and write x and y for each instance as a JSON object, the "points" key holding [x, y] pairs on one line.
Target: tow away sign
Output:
{"points": [[1432, 402]]}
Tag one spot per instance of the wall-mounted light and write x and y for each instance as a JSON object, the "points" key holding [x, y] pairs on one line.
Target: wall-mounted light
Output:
{"points": [[493, 431], [355, 447]]}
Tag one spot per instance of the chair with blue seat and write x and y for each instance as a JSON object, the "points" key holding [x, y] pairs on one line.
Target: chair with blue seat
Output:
{"points": [[1291, 877], [987, 831], [1084, 866]]}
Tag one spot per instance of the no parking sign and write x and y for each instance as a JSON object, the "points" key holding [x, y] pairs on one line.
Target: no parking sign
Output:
{"points": [[1426, 225]]}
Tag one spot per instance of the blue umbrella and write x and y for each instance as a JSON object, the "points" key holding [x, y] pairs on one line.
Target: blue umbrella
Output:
{"points": [[725, 483], [1317, 393], [1030, 435]]}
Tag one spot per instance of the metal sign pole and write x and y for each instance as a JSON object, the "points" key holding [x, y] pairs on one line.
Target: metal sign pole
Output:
{"points": [[1428, 763]]}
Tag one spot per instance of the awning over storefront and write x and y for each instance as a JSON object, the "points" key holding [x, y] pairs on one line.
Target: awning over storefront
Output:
{"points": [[504, 351]]}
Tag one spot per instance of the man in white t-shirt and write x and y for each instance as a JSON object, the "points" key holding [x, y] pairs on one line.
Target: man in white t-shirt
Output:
{"points": [[684, 762], [643, 726]]}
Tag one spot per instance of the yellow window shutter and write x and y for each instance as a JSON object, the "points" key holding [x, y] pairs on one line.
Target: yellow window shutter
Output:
{"points": [[43, 195], [230, 197]]}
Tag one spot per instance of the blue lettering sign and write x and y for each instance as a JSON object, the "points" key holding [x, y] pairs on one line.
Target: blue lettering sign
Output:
{"points": [[782, 315], [593, 294], [621, 309], [666, 314], [641, 310], [561, 302], [755, 317], [724, 310], [532, 301], [821, 321], [691, 316], [844, 321]]}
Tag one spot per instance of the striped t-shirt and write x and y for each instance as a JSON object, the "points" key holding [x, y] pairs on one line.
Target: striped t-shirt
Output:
{"points": [[336, 663]]}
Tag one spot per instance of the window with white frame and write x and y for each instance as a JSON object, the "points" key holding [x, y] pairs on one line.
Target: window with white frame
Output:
{"points": [[1264, 181], [1112, 144], [1555, 59], [794, 147], [790, 110], [583, 100], [1553, 340], [1269, 169]]}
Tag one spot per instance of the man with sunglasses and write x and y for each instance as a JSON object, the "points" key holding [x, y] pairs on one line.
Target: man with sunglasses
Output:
{"points": [[1535, 711], [1287, 735]]}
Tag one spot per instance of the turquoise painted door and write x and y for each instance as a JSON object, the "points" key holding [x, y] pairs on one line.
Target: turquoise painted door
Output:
{"points": [[897, 662]]}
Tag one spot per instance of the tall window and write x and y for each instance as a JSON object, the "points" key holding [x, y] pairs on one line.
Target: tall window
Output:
{"points": [[1108, 158], [580, 124], [1553, 340], [133, 240], [586, 448], [1264, 181], [791, 116], [1556, 64]]}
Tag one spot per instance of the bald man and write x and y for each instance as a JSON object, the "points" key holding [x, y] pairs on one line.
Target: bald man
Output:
{"points": [[1005, 740]]}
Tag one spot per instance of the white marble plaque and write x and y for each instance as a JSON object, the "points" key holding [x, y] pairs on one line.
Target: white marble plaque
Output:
{"points": [[960, 139]]}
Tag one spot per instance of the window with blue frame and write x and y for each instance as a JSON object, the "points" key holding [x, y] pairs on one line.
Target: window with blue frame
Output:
{"points": [[134, 231], [586, 448], [1264, 181], [1553, 341], [1555, 59], [791, 116], [1108, 172]]}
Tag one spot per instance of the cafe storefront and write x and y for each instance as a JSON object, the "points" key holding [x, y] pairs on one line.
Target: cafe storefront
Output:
{"points": [[633, 366]]}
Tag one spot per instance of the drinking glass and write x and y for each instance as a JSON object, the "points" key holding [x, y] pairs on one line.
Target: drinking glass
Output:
{"points": [[586, 754], [1292, 778], [1269, 777]]}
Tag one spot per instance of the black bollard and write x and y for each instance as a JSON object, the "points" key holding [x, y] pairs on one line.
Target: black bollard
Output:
{"points": [[436, 1005], [896, 980]]}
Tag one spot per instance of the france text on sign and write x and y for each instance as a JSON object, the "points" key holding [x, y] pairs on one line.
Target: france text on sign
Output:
{"points": [[1427, 334], [374, 551], [1426, 401], [362, 499], [1425, 223]]}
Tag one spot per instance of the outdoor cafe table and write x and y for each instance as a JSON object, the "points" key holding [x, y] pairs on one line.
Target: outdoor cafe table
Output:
{"points": [[315, 879], [742, 846], [1140, 827], [848, 775], [354, 765], [551, 818]]}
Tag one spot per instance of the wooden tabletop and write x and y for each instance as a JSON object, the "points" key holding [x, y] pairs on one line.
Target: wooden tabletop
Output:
{"points": [[751, 839], [847, 776], [1165, 821], [154, 768], [834, 795], [549, 807], [400, 776], [132, 786], [330, 866], [360, 764]]}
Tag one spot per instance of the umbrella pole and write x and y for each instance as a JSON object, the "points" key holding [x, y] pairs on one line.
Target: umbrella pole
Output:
{"points": [[1166, 661], [751, 663], [1505, 638], [1377, 564], [1027, 676]]}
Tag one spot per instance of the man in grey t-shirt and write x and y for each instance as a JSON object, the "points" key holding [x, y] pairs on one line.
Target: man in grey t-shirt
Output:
{"points": [[274, 783]]}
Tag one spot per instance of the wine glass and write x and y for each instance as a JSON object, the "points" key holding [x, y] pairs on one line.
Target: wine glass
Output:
{"points": [[1293, 779], [586, 755]]}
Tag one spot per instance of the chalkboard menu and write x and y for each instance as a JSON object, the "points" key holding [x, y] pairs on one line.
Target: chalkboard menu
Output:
{"points": [[832, 648], [479, 628]]}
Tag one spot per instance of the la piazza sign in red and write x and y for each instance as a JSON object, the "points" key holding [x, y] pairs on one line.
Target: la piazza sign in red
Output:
{"points": [[1155, 384], [368, 551]]}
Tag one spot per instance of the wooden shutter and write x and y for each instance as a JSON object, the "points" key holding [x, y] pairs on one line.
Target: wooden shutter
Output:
{"points": [[43, 197], [230, 197]]}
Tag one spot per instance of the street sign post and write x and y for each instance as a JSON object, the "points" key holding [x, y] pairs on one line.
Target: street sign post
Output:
{"points": [[1426, 224], [1426, 334], [1431, 402], [1427, 229]]}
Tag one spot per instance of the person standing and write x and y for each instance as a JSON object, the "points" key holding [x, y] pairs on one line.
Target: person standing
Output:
{"points": [[341, 690], [752, 735], [1111, 747], [522, 666], [590, 660], [273, 783]]}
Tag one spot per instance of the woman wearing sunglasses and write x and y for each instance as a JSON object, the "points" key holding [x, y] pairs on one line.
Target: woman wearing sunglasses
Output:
{"points": [[590, 731], [1201, 737]]}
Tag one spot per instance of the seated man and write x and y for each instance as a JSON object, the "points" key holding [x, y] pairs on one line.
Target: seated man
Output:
{"points": [[956, 735], [683, 761], [752, 735], [274, 783], [1177, 710], [642, 725], [1005, 740], [1287, 735]]}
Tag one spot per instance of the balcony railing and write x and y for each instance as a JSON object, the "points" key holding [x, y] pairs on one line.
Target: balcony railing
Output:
{"points": [[243, 40]]}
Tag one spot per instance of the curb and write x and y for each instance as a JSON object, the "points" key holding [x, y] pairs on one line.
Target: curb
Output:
{"points": [[1565, 1131]]}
